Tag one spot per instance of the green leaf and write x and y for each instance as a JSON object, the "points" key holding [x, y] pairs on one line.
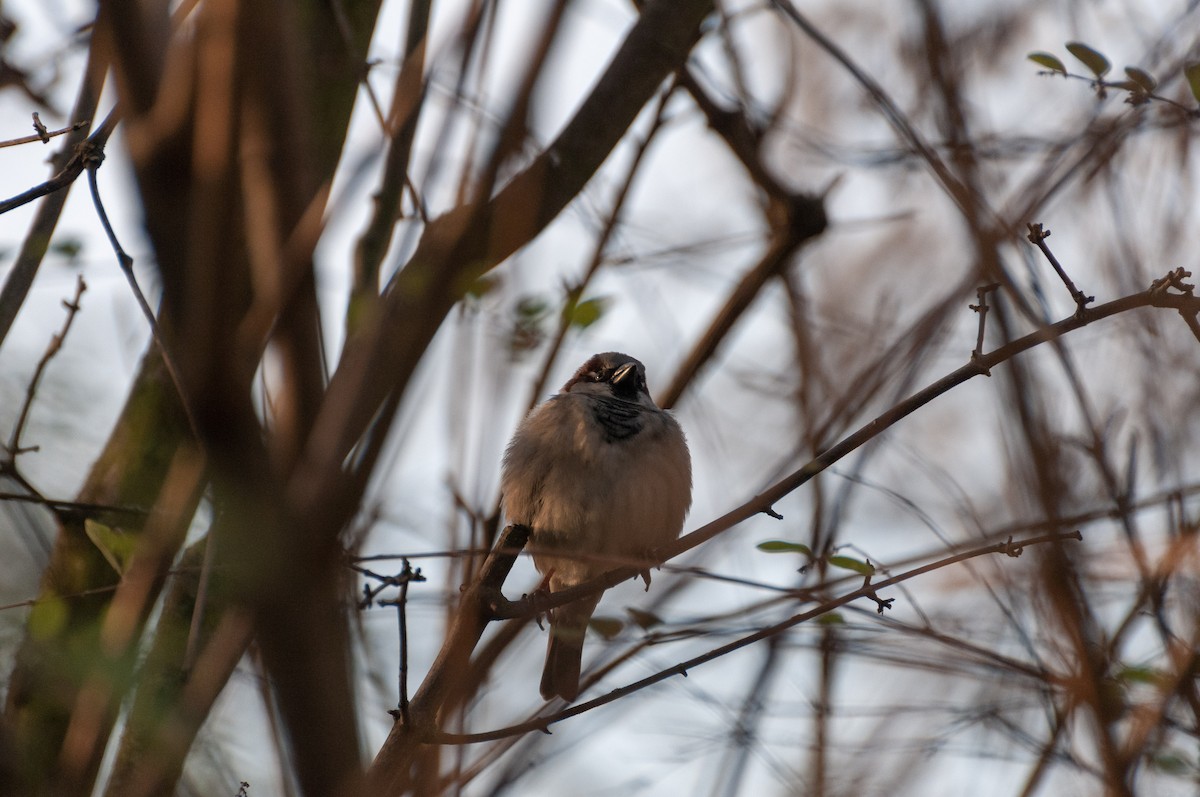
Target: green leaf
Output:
{"points": [[832, 618], [67, 246], [1092, 59], [643, 619], [483, 286], [527, 323], [1139, 675], [1192, 73], [1142, 78], [47, 618], [607, 627], [1048, 60], [1170, 762], [849, 563], [531, 308], [116, 546], [584, 314], [783, 546]]}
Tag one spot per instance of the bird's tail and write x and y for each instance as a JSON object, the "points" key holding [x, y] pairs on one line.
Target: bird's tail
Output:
{"points": [[564, 651]]}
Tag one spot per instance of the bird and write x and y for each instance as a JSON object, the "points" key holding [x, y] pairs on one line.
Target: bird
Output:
{"points": [[601, 476]]}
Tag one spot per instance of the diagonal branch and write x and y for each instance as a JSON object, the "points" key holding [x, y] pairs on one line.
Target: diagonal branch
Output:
{"points": [[483, 601], [1007, 548]]}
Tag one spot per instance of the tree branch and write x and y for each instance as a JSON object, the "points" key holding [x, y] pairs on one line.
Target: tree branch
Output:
{"points": [[1008, 548]]}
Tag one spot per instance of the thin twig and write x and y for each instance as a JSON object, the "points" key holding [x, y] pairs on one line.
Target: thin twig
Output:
{"points": [[43, 135], [483, 601], [1037, 236], [981, 308], [56, 342], [1137, 96], [31, 602], [85, 152], [78, 508], [762, 503], [1008, 548], [407, 575], [33, 248], [125, 261]]}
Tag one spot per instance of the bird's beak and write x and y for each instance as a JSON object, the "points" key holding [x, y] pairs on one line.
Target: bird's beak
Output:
{"points": [[626, 371]]}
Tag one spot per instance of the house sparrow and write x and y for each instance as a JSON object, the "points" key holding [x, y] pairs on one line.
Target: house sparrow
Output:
{"points": [[601, 476]]}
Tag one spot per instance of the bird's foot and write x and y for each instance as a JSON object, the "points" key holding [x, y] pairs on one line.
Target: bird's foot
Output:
{"points": [[538, 599]]}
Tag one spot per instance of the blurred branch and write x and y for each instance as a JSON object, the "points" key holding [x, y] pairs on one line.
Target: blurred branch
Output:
{"points": [[891, 112], [401, 127], [102, 690], [793, 219], [175, 695], [804, 217], [157, 92], [466, 242], [730, 771], [599, 248]]}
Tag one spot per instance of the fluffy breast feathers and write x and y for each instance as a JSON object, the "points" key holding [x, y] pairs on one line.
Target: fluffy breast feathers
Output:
{"points": [[601, 481]]}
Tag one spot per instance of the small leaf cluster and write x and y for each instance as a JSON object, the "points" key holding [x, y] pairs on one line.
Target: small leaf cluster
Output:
{"points": [[531, 311], [1138, 82], [609, 627], [844, 562]]}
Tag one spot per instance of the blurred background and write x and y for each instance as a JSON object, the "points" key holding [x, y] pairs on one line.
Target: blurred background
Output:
{"points": [[789, 229]]}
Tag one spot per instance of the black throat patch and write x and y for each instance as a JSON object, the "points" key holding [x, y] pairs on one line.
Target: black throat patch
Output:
{"points": [[619, 419]]}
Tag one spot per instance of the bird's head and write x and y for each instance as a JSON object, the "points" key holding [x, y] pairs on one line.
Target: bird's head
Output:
{"points": [[611, 374]]}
